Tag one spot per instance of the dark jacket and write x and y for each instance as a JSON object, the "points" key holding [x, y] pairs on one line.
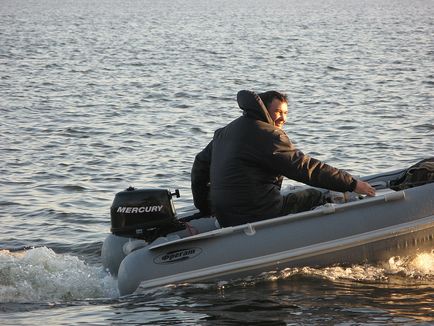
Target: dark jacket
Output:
{"points": [[240, 170]]}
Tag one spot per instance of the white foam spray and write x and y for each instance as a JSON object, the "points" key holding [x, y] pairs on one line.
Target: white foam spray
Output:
{"points": [[40, 274], [419, 267]]}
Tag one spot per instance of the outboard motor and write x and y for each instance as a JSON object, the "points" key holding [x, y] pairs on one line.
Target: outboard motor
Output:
{"points": [[144, 213]]}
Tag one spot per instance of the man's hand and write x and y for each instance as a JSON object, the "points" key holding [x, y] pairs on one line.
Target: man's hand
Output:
{"points": [[364, 188]]}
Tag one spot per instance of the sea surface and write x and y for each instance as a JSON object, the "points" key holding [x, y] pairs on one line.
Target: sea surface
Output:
{"points": [[96, 96]]}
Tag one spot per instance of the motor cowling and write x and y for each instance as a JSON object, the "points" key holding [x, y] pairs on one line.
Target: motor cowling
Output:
{"points": [[144, 213]]}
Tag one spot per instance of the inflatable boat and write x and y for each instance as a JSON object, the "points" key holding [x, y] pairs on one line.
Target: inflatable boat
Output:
{"points": [[153, 245]]}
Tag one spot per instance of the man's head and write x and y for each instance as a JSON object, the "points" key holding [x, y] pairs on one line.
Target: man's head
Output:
{"points": [[277, 106]]}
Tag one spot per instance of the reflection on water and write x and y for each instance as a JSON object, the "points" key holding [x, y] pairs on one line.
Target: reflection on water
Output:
{"points": [[294, 299]]}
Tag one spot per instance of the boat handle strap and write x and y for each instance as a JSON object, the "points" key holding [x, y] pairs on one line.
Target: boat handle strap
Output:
{"points": [[392, 196]]}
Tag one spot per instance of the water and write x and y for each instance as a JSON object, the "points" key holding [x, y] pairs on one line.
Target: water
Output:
{"points": [[96, 96]]}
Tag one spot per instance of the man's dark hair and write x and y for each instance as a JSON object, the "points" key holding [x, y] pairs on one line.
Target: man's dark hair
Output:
{"points": [[268, 97]]}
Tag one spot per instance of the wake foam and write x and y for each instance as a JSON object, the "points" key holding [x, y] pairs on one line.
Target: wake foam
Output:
{"points": [[40, 274], [419, 267], [405, 270]]}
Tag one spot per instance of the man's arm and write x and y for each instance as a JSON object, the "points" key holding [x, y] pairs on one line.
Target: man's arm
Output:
{"points": [[295, 165], [200, 179], [364, 188]]}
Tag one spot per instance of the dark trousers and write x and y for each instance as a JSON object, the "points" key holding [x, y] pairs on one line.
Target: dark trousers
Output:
{"points": [[302, 201]]}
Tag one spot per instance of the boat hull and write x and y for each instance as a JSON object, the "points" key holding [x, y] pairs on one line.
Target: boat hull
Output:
{"points": [[369, 230]]}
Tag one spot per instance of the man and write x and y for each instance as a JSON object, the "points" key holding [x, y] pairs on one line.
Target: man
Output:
{"points": [[238, 176]]}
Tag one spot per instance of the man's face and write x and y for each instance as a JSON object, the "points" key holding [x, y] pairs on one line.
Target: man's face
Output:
{"points": [[278, 112]]}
